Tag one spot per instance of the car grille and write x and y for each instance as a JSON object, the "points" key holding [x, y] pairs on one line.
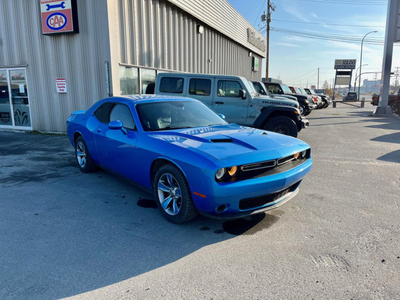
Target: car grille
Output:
{"points": [[259, 201]]}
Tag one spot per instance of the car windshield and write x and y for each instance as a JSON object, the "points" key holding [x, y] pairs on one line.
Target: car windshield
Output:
{"points": [[312, 92], [298, 91], [250, 87], [168, 115], [265, 89], [286, 89]]}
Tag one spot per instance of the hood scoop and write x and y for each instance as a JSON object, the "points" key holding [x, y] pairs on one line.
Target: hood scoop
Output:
{"points": [[226, 140]]}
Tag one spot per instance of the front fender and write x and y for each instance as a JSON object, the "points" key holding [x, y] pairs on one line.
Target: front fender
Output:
{"points": [[280, 110]]}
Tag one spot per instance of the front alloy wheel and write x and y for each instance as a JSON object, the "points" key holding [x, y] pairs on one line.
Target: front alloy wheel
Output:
{"points": [[173, 195], [169, 194]]}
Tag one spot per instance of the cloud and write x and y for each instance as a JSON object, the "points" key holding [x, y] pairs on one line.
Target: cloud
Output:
{"points": [[293, 11], [314, 15], [287, 45], [293, 38]]}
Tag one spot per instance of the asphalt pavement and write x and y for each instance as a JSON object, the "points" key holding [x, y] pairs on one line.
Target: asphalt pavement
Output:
{"points": [[94, 236]]}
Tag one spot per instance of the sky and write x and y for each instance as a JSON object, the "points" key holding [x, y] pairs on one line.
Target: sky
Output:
{"points": [[295, 59]]}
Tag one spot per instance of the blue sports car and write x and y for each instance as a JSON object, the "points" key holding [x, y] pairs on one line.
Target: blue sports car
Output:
{"points": [[191, 159]]}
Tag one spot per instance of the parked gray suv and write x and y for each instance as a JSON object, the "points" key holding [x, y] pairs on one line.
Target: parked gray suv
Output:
{"points": [[236, 99]]}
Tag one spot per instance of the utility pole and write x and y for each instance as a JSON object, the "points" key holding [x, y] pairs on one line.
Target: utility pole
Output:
{"points": [[318, 80], [267, 18], [391, 24]]}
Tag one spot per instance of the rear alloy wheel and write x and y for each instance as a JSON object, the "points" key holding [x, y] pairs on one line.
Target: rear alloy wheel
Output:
{"points": [[282, 125], [173, 195], [85, 163]]}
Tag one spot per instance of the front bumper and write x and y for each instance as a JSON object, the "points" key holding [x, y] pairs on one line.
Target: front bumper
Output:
{"points": [[311, 106], [304, 122], [231, 196]]}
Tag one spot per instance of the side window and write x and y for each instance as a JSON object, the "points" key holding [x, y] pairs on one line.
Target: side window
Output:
{"points": [[122, 113], [103, 112], [228, 88], [200, 87], [171, 85]]}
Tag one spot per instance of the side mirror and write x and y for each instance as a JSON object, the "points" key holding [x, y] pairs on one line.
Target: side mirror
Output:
{"points": [[115, 125], [242, 94], [221, 116]]}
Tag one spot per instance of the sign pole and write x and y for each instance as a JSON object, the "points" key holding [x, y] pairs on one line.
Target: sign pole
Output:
{"points": [[391, 25]]}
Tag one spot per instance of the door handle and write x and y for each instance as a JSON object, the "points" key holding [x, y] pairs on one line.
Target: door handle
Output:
{"points": [[219, 102]]}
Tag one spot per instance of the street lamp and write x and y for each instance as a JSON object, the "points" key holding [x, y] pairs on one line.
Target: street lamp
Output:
{"points": [[359, 79], [355, 80]]}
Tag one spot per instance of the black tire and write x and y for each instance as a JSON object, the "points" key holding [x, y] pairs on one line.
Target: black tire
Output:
{"points": [[308, 112], [282, 125], [169, 182], [85, 163], [325, 105]]}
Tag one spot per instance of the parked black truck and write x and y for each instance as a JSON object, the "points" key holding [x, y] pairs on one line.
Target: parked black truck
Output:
{"points": [[306, 103]]}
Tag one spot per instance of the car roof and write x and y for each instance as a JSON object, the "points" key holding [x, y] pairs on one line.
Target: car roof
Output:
{"points": [[197, 75], [148, 98]]}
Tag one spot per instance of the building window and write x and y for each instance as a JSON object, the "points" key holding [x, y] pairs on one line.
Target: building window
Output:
{"points": [[14, 100], [129, 80], [147, 76], [200, 87]]}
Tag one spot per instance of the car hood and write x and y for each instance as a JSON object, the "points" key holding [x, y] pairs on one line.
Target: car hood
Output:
{"points": [[228, 141], [266, 100]]}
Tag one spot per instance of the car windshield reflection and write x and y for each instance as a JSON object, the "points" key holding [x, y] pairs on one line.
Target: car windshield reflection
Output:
{"points": [[170, 115]]}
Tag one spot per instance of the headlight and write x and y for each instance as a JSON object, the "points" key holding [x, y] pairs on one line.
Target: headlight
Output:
{"points": [[296, 155], [220, 173], [232, 171], [303, 154]]}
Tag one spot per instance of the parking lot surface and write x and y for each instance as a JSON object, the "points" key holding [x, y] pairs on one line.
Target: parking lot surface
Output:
{"points": [[94, 236]]}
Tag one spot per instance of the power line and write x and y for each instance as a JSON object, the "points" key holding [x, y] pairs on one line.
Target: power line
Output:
{"points": [[295, 78], [259, 13], [327, 24], [357, 3], [329, 37]]}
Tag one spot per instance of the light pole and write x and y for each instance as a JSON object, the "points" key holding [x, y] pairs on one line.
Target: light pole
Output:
{"points": [[355, 80], [359, 79]]}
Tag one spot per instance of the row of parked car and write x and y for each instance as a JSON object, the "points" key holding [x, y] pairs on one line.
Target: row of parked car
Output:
{"points": [[308, 98], [270, 106]]}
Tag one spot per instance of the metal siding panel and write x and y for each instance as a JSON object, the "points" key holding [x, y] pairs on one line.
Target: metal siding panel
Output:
{"points": [[222, 17], [77, 57]]}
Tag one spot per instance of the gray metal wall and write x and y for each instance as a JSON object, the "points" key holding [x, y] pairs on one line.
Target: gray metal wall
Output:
{"points": [[220, 15], [157, 34], [78, 57]]}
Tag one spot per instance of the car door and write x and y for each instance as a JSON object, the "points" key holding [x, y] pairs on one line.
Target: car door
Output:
{"points": [[116, 148], [227, 101]]}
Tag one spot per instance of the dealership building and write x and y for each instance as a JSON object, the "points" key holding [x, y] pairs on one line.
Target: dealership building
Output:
{"points": [[60, 56]]}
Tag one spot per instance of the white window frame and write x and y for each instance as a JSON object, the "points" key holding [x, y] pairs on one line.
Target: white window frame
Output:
{"points": [[8, 70]]}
